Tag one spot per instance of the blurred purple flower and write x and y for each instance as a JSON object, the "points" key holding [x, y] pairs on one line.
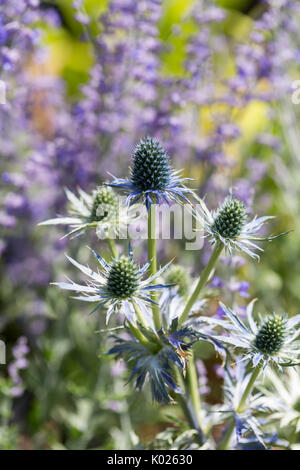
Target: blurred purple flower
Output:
{"points": [[19, 363]]}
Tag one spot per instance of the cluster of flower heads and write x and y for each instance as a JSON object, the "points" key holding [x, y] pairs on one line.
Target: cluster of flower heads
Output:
{"points": [[68, 155], [120, 287], [161, 354]]}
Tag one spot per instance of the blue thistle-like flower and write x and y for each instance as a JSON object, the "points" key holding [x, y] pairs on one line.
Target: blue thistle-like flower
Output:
{"points": [[230, 218], [273, 341], [101, 210], [228, 226], [105, 199], [151, 167], [271, 335], [152, 179], [169, 350], [119, 285]]}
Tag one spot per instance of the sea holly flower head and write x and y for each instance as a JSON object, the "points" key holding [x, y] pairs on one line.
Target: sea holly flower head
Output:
{"points": [[107, 201], [230, 218], [151, 167], [118, 285], [152, 178], [102, 210], [229, 226], [272, 341], [271, 335], [170, 349], [123, 278]]}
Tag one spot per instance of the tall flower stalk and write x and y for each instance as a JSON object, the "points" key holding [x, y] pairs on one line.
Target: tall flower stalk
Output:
{"points": [[152, 257], [202, 281]]}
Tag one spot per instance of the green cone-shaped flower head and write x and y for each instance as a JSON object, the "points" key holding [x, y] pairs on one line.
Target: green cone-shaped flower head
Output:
{"points": [[230, 218], [151, 168], [105, 205], [177, 275], [123, 278], [270, 338]]}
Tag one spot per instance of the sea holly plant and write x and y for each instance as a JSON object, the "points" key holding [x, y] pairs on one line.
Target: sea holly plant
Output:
{"points": [[160, 314], [270, 342]]}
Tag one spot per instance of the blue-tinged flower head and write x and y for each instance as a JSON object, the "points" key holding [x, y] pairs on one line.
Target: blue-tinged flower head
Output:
{"points": [[272, 341], [152, 178], [170, 350], [150, 167], [102, 209], [118, 285], [230, 218], [105, 205], [229, 226], [123, 278], [271, 335]]}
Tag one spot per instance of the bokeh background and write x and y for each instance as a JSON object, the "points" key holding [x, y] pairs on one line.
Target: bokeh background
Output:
{"points": [[84, 81]]}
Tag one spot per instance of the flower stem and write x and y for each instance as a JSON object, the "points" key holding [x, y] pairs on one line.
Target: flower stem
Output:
{"points": [[139, 314], [193, 388], [152, 258], [188, 408], [141, 338], [248, 389], [112, 247], [202, 281], [224, 444], [190, 416]]}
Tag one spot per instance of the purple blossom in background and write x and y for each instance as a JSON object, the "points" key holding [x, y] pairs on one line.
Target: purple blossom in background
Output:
{"points": [[115, 406], [235, 261], [220, 314], [217, 282], [19, 363], [240, 287], [219, 371], [204, 389], [117, 368]]}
